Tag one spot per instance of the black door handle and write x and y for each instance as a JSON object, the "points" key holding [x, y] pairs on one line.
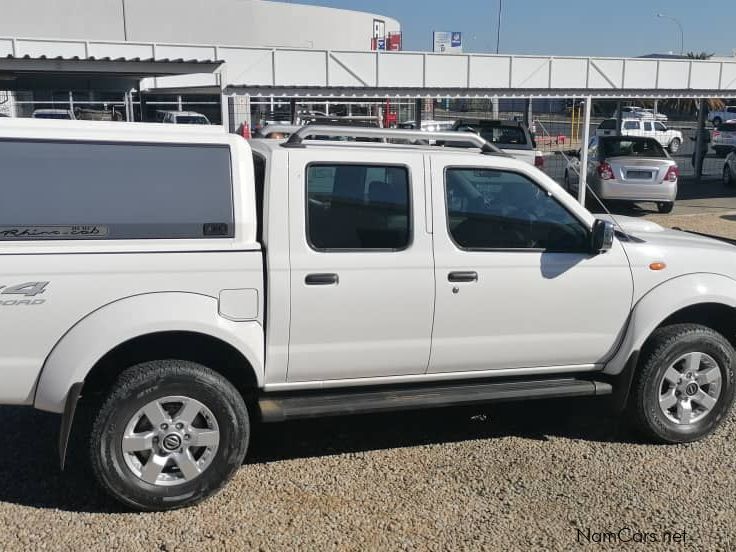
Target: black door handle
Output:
{"points": [[321, 279], [463, 276]]}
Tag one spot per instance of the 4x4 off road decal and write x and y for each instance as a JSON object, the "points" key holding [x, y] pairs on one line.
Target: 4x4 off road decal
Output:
{"points": [[22, 294]]}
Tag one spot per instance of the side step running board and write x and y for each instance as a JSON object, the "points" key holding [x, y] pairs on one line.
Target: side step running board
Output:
{"points": [[277, 408]]}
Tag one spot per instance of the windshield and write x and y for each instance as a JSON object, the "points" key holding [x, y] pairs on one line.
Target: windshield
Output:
{"points": [[626, 147], [191, 120], [497, 134]]}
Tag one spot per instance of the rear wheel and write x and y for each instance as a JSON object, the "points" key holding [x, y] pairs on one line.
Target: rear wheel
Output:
{"points": [[665, 207], [674, 146], [685, 384], [729, 179], [169, 434], [568, 182]]}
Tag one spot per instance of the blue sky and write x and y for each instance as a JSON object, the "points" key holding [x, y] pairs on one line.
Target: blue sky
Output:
{"points": [[562, 27]]}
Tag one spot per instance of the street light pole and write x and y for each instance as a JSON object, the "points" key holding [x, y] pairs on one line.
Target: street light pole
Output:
{"points": [[125, 23], [682, 35], [498, 25]]}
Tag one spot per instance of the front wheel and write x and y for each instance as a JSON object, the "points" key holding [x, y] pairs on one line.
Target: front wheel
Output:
{"points": [[169, 434], [665, 207], [674, 146], [684, 385]]}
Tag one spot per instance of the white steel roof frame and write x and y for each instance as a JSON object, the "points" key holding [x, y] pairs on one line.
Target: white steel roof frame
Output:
{"points": [[331, 74]]}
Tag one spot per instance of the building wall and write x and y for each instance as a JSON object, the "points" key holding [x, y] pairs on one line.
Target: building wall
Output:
{"points": [[80, 19], [225, 22]]}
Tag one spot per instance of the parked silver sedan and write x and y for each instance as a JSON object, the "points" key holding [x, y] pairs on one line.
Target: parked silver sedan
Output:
{"points": [[628, 168]]}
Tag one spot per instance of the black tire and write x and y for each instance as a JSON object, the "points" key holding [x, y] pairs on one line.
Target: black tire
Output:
{"points": [[568, 183], [143, 384], [729, 179], [665, 347], [674, 146], [665, 207]]}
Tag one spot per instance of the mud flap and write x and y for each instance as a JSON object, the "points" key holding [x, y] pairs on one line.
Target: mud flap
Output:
{"points": [[67, 418]]}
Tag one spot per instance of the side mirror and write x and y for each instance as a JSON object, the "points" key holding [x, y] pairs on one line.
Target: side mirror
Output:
{"points": [[602, 236]]}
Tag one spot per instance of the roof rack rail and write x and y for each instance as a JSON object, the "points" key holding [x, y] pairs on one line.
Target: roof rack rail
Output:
{"points": [[297, 139]]}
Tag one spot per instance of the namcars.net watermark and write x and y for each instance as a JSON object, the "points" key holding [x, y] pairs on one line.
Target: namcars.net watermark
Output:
{"points": [[629, 535]]}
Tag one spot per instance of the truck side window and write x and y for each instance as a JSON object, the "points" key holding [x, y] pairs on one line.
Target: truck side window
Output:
{"points": [[631, 125], [357, 207], [115, 191], [490, 209]]}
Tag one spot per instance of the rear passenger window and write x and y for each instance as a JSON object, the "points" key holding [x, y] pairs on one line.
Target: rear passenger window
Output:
{"points": [[78, 190], [647, 126], [631, 125], [358, 207]]}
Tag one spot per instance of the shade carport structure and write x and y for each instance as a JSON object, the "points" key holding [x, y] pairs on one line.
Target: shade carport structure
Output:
{"points": [[333, 75]]}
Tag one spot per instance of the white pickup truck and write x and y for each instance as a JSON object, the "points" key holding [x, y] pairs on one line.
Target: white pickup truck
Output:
{"points": [[728, 113], [646, 128], [163, 288]]}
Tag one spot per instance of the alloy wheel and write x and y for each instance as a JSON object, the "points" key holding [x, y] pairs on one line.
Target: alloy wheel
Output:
{"points": [[170, 441], [690, 388]]}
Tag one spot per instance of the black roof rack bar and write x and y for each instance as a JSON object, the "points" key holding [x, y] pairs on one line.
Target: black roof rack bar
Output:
{"points": [[304, 133]]}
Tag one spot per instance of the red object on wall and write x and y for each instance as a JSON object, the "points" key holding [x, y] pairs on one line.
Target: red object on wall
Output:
{"points": [[394, 42]]}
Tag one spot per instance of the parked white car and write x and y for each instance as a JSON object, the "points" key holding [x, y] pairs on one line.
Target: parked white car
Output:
{"points": [[138, 299], [183, 118], [729, 170], [669, 138], [429, 125], [63, 114], [512, 137], [723, 138], [726, 114], [633, 112]]}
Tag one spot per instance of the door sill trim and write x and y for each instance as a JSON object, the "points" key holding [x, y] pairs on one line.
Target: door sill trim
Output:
{"points": [[421, 378], [279, 407]]}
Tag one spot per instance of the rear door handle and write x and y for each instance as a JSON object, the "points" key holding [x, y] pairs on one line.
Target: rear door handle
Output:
{"points": [[321, 279], [463, 276]]}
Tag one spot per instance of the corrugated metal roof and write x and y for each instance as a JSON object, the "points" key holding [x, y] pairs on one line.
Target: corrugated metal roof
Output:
{"points": [[117, 60]]}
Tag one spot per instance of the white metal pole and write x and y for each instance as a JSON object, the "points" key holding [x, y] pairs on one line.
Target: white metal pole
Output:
{"points": [[225, 108], [583, 180]]}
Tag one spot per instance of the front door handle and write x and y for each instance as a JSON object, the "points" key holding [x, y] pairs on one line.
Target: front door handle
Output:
{"points": [[463, 276], [321, 279]]}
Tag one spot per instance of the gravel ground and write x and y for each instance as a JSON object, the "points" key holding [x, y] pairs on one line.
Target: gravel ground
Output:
{"points": [[512, 477], [718, 224]]}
